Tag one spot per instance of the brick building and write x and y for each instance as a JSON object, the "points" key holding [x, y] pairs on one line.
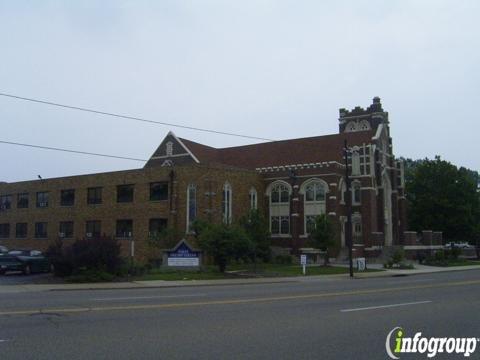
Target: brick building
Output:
{"points": [[290, 181]]}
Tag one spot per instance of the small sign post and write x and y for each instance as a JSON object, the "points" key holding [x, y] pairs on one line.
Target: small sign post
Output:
{"points": [[303, 261]]}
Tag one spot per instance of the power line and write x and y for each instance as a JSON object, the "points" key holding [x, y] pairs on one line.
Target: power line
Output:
{"points": [[70, 151], [131, 117]]}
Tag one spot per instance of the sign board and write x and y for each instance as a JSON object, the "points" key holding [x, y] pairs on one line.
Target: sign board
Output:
{"points": [[303, 259], [183, 255], [361, 264]]}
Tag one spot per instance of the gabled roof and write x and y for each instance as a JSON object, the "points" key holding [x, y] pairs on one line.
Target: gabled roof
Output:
{"points": [[280, 153]]}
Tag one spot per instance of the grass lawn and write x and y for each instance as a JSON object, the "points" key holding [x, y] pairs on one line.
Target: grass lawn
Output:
{"points": [[242, 271]]}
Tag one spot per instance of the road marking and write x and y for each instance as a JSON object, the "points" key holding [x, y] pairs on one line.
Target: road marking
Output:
{"points": [[234, 301], [148, 297], [386, 306]]}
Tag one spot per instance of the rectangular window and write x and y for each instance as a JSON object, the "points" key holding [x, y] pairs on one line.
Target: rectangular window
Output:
{"points": [[94, 195], [280, 225], [5, 202], [21, 230], [125, 193], [155, 226], [67, 197], [4, 231], [41, 230], [66, 229], [22, 201], [158, 191], [192, 206], [93, 229], [124, 228], [42, 199], [310, 223]]}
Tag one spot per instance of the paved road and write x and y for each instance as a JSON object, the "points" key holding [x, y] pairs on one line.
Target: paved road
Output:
{"points": [[310, 319]]}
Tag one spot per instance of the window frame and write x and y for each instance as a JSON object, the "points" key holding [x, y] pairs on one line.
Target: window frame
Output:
{"points": [[19, 235], [6, 202], [125, 199], [227, 198], [42, 197], [41, 235], [191, 211], [67, 197], [124, 234], [68, 235], [5, 230], [23, 198], [93, 232], [159, 183], [95, 200]]}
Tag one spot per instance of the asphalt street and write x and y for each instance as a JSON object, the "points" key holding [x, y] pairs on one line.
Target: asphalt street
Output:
{"points": [[331, 318]]}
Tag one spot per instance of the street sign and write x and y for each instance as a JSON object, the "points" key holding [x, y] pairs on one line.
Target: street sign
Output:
{"points": [[303, 259]]}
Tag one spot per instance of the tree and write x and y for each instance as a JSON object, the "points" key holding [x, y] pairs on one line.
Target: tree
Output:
{"points": [[442, 197], [224, 243], [323, 235], [256, 228]]}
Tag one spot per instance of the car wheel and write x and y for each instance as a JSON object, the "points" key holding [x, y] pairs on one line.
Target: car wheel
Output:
{"points": [[27, 270]]}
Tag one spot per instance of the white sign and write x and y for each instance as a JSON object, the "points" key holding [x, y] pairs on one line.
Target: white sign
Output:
{"points": [[303, 259], [183, 261], [361, 264]]}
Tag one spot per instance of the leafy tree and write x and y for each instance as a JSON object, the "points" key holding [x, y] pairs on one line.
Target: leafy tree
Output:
{"points": [[323, 235], [224, 243], [165, 239], [256, 228], [442, 197]]}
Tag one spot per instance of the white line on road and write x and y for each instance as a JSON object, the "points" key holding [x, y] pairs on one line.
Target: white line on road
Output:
{"points": [[148, 297], [386, 306]]}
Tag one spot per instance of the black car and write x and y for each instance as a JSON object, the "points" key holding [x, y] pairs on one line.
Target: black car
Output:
{"points": [[26, 261]]}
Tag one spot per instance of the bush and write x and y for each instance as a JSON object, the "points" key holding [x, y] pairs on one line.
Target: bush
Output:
{"points": [[283, 259], [398, 256], [90, 276], [90, 256]]}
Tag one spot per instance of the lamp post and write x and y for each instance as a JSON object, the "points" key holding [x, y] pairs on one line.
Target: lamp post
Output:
{"points": [[348, 203]]}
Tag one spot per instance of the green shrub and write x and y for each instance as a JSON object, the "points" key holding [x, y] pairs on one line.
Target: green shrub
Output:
{"points": [[95, 254], [398, 256], [90, 276], [284, 259]]}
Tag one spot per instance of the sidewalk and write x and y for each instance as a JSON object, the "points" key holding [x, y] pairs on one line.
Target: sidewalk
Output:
{"points": [[420, 269]]}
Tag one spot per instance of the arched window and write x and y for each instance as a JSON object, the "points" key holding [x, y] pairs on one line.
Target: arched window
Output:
{"points": [[253, 198], [279, 194], [191, 206], [356, 193], [351, 127], [227, 203], [314, 191], [357, 228], [355, 161]]}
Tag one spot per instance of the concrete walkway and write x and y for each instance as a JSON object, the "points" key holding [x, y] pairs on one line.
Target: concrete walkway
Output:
{"points": [[419, 269]]}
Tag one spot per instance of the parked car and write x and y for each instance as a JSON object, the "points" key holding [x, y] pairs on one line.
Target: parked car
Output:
{"points": [[460, 245], [3, 249], [26, 261]]}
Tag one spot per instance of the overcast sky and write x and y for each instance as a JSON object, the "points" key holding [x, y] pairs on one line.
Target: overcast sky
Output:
{"points": [[273, 69]]}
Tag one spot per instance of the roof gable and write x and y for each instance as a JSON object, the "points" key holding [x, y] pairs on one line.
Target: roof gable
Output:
{"points": [[171, 151]]}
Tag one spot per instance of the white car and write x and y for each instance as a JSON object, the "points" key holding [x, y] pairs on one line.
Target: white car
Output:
{"points": [[460, 245]]}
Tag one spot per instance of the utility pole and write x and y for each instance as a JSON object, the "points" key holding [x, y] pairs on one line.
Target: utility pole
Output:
{"points": [[348, 203]]}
